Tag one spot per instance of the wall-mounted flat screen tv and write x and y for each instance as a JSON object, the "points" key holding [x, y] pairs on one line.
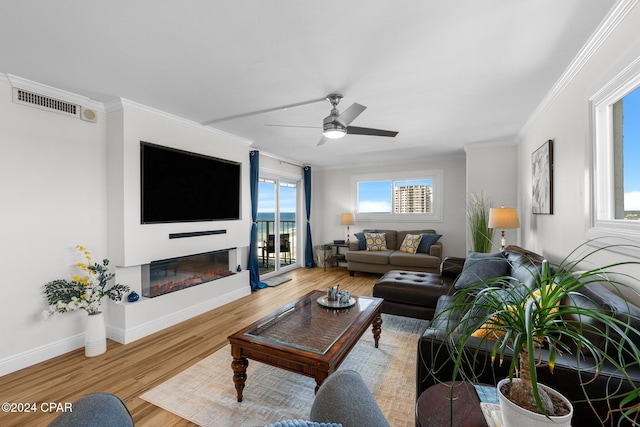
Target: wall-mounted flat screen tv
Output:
{"points": [[180, 186]]}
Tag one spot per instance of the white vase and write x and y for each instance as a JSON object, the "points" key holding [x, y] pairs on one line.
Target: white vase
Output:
{"points": [[515, 416], [95, 336]]}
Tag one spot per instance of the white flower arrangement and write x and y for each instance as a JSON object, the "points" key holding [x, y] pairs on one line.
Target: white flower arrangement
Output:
{"points": [[82, 292]]}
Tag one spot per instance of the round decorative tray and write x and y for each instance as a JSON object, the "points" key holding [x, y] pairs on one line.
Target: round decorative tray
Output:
{"points": [[325, 302]]}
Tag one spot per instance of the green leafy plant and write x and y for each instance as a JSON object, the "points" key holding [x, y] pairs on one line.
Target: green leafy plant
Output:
{"points": [[82, 292], [478, 207], [512, 317]]}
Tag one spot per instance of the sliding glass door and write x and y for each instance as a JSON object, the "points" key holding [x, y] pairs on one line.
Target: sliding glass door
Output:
{"points": [[277, 225]]}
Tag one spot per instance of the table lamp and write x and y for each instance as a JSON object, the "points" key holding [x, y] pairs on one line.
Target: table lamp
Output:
{"points": [[348, 219], [503, 218]]}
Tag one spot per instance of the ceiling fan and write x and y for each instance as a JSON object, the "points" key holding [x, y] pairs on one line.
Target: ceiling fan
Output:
{"points": [[336, 124]]}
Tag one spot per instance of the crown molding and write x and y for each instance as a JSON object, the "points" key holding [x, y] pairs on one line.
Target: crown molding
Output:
{"points": [[127, 104], [62, 95], [616, 15]]}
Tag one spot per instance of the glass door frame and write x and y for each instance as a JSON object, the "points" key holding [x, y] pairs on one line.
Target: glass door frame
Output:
{"points": [[277, 179]]}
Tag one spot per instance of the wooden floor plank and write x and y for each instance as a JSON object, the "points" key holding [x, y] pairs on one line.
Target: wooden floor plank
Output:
{"points": [[130, 370]]}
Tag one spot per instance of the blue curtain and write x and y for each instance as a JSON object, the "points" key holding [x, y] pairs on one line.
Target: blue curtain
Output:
{"points": [[308, 249], [252, 263]]}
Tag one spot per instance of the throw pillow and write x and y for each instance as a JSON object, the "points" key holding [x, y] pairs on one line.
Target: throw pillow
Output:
{"points": [[427, 240], [478, 267], [362, 241], [410, 243], [492, 329], [376, 241]]}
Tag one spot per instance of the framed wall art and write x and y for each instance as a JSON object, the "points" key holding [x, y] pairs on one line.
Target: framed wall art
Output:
{"points": [[542, 179]]}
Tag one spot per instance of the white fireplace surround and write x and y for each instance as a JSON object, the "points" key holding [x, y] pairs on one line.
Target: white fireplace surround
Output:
{"points": [[132, 244]]}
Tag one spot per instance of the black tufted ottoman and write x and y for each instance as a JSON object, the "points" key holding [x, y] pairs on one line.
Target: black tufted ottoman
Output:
{"points": [[411, 293]]}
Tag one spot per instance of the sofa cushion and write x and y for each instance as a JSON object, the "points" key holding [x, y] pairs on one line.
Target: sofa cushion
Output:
{"points": [[376, 242], [403, 259], [369, 257], [410, 243], [594, 295], [479, 266], [427, 240]]}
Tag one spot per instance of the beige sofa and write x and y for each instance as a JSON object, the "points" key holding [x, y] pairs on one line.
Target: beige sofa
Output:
{"points": [[393, 259]]}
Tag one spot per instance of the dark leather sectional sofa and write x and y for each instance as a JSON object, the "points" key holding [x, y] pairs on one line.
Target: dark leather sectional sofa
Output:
{"points": [[434, 362]]}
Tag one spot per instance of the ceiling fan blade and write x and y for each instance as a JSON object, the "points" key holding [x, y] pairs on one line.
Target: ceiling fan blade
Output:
{"points": [[350, 114], [322, 141], [267, 110], [353, 130]]}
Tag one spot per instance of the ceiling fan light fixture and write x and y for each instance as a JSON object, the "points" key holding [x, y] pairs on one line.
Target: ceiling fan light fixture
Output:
{"points": [[335, 132], [331, 128]]}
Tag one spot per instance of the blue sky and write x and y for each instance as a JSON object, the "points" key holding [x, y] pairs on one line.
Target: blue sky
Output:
{"points": [[266, 197], [631, 138]]}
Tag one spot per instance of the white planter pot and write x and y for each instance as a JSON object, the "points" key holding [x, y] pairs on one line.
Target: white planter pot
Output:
{"points": [[515, 416], [95, 336]]}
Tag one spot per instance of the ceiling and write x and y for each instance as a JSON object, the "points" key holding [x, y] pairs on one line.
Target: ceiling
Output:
{"points": [[442, 73]]}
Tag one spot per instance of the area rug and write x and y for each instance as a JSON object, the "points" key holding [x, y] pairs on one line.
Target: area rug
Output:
{"points": [[275, 281], [205, 395]]}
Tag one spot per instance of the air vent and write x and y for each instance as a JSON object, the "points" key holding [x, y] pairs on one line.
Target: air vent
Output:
{"points": [[21, 96]]}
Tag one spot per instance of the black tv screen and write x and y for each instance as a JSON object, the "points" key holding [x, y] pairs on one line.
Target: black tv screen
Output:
{"points": [[180, 186]]}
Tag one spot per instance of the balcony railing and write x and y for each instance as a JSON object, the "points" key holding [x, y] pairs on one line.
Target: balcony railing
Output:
{"points": [[267, 241]]}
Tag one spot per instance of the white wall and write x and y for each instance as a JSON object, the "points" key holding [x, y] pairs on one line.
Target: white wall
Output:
{"points": [[492, 171], [565, 118], [64, 181], [332, 195], [53, 193]]}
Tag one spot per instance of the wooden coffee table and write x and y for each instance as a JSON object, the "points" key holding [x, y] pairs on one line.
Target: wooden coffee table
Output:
{"points": [[304, 337]]}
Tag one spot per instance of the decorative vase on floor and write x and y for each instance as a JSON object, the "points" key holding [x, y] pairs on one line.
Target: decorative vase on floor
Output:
{"points": [[95, 336], [515, 416]]}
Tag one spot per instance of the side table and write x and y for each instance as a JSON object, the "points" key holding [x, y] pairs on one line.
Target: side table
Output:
{"points": [[434, 407], [337, 257]]}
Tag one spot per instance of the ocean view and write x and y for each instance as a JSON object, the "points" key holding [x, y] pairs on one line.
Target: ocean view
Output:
{"points": [[266, 223], [269, 216]]}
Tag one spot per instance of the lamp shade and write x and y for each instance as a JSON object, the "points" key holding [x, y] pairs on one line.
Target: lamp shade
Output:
{"points": [[347, 219], [503, 218]]}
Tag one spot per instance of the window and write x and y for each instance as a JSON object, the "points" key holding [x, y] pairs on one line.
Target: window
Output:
{"points": [[615, 164], [407, 196], [626, 146]]}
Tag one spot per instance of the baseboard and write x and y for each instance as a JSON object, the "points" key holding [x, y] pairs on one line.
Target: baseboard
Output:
{"points": [[29, 358], [40, 354], [141, 331]]}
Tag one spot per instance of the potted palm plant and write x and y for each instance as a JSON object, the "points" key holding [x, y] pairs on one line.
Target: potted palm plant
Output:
{"points": [[478, 207], [513, 318]]}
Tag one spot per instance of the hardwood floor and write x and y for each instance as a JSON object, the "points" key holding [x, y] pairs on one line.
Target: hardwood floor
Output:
{"points": [[130, 370]]}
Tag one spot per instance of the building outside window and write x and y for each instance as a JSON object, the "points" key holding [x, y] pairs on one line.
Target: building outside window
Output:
{"points": [[412, 198], [626, 147], [615, 160], [408, 196]]}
